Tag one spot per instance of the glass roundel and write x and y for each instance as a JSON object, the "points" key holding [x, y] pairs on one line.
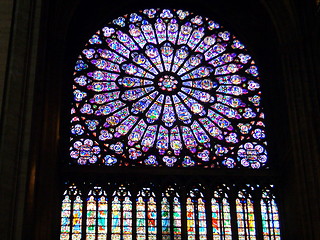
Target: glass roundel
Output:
{"points": [[166, 88]]}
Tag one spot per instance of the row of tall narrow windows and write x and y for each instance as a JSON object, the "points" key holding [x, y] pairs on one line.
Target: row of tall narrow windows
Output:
{"points": [[222, 213]]}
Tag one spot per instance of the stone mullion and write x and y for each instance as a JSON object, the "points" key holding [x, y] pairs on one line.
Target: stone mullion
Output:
{"points": [[158, 199], [72, 197], [183, 202], [133, 199], [171, 213], [84, 197], [208, 196], [233, 194], [109, 213], [257, 195]]}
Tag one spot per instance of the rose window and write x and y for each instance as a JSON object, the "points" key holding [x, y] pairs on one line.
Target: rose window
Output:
{"points": [[167, 88]]}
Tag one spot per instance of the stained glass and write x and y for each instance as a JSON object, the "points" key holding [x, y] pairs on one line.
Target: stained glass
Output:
{"points": [[270, 216], [146, 215], [164, 212], [141, 219], [165, 216], [167, 88], [167, 82], [65, 218], [116, 216], [77, 218], [121, 222], [176, 218], [91, 217], [245, 216], [202, 219], [127, 218], [102, 218], [221, 218], [196, 215], [71, 214], [97, 213], [191, 227], [171, 214], [152, 219]]}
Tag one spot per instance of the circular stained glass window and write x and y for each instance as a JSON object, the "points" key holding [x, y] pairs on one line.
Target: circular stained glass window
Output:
{"points": [[166, 88]]}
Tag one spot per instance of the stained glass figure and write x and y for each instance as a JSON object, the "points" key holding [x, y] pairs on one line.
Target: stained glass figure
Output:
{"points": [[127, 218], [270, 216], [177, 218], [146, 215], [116, 218], [167, 88], [141, 219], [202, 219], [196, 215], [245, 216], [165, 218], [152, 219], [71, 214], [102, 217], [121, 209], [91, 217], [77, 218], [65, 218], [191, 226], [221, 218], [97, 213], [171, 214]]}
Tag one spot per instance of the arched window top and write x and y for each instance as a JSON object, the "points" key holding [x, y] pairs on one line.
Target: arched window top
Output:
{"points": [[166, 88]]}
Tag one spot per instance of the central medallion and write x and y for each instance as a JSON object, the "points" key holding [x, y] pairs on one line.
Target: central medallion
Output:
{"points": [[167, 83]]}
